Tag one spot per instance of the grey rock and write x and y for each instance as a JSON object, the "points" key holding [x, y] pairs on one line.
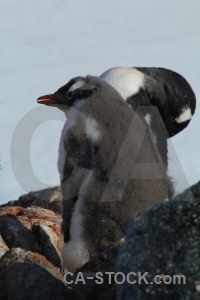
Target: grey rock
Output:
{"points": [[49, 198], [29, 281], [50, 239], [164, 241], [3, 247]]}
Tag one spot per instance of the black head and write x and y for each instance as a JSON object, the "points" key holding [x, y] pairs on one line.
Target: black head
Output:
{"points": [[173, 96], [76, 89], [160, 87]]}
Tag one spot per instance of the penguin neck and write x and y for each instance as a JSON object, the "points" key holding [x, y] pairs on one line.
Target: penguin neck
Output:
{"points": [[105, 110], [77, 106]]}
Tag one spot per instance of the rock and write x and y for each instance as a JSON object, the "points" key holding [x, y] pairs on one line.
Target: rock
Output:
{"points": [[33, 228], [88, 284], [19, 255], [50, 240], [164, 241], [3, 247], [31, 281], [49, 198], [15, 234]]}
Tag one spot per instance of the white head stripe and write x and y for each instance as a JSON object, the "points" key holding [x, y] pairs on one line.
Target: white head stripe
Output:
{"points": [[186, 115], [76, 85]]}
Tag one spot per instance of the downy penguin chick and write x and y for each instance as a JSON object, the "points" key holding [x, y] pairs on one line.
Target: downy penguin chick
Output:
{"points": [[110, 169]]}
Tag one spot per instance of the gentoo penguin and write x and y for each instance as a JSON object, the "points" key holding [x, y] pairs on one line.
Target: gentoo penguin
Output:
{"points": [[160, 87], [107, 177]]}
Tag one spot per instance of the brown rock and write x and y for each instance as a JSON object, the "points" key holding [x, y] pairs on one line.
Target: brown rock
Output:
{"points": [[13, 210], [15, 234], [19, 255], [34, 214], [32, 228], [31, 236]]}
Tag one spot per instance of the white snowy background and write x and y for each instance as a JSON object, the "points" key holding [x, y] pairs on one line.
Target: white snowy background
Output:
{"points": [[45, 43]]}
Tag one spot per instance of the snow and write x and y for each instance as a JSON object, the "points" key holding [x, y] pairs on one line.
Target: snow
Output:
{"points": [[45, 43]]}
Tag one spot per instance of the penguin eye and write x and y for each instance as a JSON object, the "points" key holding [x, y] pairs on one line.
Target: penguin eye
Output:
{"points": [[70, 95]]}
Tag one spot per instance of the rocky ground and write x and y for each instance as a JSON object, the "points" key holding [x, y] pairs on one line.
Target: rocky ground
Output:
{"points": [[165, 241]]}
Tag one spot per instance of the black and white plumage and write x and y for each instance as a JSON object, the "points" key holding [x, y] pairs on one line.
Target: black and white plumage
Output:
{"points": [[98, 121], [160, 87]]}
